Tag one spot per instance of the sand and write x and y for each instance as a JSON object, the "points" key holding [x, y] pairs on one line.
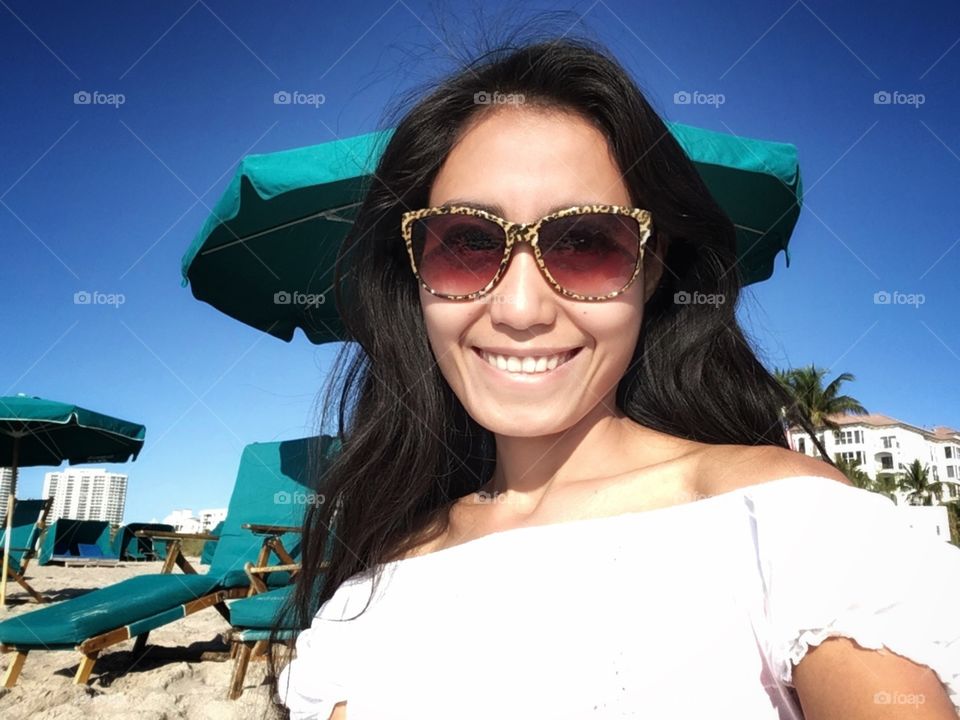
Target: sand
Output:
{"points": [[184, 673]]}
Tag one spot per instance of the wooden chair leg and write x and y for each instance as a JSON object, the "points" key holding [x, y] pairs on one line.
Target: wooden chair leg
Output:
{"points": [[85, 668], [13, 670], [173, 550], [221, 607], [21, 581], [239, 671], [259, 650], [140, 643]]}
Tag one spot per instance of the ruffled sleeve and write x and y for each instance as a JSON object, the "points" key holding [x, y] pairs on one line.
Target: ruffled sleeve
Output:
{"points": [[316, 680], [839, 561]]}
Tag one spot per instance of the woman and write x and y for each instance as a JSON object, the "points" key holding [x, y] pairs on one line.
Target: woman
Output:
{"points": [[561, 493]]}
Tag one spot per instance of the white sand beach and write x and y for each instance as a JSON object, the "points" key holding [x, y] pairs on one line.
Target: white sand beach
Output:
{"points": [[184, 673]]}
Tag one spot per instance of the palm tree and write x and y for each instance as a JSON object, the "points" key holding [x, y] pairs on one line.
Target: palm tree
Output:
{"points": [[851, 468], [887, 484], [813, 402], [915, 483]]}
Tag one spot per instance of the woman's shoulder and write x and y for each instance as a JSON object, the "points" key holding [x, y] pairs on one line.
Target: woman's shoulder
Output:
{"points": [[727, 468]]}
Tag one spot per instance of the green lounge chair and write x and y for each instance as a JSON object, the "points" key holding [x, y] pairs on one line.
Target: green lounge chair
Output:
{"points": [[127, 545], [29, 527], [252, 619], [206, 555], [76, 542], [272, 489]]}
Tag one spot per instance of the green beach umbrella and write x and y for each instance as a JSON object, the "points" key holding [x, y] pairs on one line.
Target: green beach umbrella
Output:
{"points": [[266, 253], [34, 431]]}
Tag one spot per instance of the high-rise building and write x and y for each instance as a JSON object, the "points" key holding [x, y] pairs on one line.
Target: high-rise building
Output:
{"points": [[86, 494], [6, 474]]}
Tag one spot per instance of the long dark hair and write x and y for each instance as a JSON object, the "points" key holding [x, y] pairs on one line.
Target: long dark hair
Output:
{"points": [[410, 449]]}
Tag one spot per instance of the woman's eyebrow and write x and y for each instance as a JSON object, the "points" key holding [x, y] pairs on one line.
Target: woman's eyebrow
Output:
{"points": [[498, 210]]}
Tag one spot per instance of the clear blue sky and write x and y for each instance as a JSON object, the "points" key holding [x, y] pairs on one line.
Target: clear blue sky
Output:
{"points": [[106, 198]]}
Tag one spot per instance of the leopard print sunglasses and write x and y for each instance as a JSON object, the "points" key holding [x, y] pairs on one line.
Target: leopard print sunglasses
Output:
{"points": [[586, 252]]}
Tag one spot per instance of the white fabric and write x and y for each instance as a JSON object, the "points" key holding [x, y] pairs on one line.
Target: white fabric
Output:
{"points": [[690, 611]]}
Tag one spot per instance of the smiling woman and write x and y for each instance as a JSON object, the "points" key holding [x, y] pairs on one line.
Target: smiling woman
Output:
{"points": [[564, 491]]}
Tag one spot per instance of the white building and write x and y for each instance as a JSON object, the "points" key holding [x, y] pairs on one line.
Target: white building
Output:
{"points": [[883, 444], [210, 518], [185, 521], [6, 475], [86, 494], [928, 520]]}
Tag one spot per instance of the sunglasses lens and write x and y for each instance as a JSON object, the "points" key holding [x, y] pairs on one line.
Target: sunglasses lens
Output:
{"points": [[457, 254], [591, 254]]}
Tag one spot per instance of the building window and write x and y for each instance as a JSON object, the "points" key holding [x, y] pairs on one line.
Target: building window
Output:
{"points": [[802, 445], [848, 437], [886, 462], [948, 451], [949, 475]]}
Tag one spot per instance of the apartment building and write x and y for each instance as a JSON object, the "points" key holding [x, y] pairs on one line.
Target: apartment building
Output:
{"points": [[882, 444], [86, 494]]}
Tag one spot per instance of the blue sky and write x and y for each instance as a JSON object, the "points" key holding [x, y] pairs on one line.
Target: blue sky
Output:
{"points": [[106, 197]]}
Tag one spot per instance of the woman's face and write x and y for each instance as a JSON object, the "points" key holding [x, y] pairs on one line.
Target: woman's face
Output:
{"points": [[531, 162]]}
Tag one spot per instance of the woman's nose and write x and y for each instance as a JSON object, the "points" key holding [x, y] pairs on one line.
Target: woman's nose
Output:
{"points": [[523, 296]]}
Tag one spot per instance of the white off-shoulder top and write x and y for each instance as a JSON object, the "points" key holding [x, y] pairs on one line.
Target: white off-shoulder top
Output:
{"points": [[689, 611]]}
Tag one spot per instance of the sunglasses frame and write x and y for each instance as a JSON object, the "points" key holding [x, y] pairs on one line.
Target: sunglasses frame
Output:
{"points": [[516, 233]]}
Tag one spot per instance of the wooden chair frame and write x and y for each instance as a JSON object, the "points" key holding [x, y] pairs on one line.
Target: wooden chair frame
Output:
{"points": [[243, 651], [91, 648], [20, 577]]}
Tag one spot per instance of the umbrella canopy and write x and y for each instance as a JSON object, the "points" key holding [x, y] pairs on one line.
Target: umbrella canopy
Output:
{"points": [[50, 432], [265, 256], [34, 431]]}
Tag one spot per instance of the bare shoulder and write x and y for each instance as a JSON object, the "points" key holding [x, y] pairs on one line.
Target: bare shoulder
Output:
{"points": [[723, 468]]}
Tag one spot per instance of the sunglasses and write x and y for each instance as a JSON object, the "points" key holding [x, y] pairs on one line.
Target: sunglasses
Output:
{"points": [[588, 252]]}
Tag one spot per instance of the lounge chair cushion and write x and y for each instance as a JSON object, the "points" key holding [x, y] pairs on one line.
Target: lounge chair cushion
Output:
{"points": [[260, 610], [69, 623]]}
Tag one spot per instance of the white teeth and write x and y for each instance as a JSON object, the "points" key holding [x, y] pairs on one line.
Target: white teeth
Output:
{"points": [[526, 365]]}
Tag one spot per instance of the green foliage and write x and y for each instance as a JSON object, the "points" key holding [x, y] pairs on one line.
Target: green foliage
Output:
{"points": [[192, 548], [851, 468], [954, 522], [814, 402]]}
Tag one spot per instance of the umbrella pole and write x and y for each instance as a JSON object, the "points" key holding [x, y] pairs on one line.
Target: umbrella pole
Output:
{"points": [[10, 503]]}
